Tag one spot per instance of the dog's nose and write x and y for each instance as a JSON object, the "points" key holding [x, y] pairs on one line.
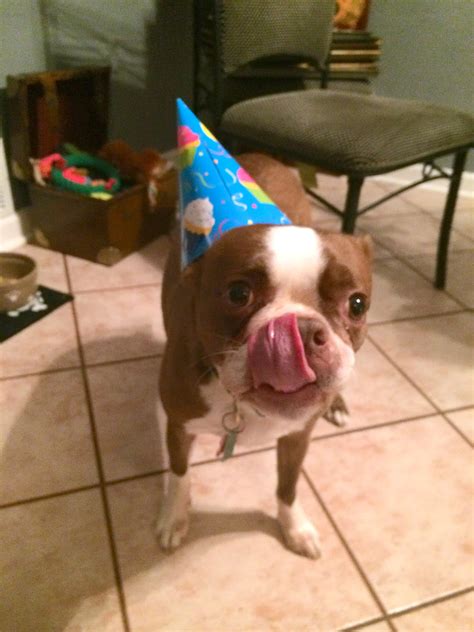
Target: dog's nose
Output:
{"points": [[314, 333], [320, 335]]}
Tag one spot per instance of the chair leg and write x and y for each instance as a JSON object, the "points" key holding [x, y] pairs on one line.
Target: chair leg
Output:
{"points": [[352, 204], [445, 229]]}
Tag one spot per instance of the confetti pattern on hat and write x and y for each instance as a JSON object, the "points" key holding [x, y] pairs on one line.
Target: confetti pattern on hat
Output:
{"points": [[216, 193]]}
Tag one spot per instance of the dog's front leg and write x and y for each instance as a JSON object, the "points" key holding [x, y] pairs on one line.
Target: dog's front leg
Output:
{"points": [[299, 532], [173, 521]]}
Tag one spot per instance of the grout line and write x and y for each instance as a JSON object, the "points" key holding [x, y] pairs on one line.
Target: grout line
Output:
{"points": [[34, 499], [431, 602], [415, 385], [458, 430], [117, 289], [349, 551], [136, 477], [454, 312], [383, 424], [78, 367], [447, 411], [100, 469], [36, 373], [93, 365], [362, 625]]}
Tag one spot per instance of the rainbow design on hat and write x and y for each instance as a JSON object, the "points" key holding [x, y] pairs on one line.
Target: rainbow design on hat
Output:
{"points": [[216, 193], [188, 142], [249, 183]]}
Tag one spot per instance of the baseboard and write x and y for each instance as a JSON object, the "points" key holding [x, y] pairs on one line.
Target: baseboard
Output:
{"points": [[412, 173], [13, 233]]}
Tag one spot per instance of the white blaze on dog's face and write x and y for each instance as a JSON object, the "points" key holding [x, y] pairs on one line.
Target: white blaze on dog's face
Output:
{"points": [[280, 311]]}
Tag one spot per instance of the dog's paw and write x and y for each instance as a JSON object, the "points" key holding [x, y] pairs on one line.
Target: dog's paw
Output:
{"points": [[338, 413], [299, 532], [173, 522], [304, 540], [171, 528]]}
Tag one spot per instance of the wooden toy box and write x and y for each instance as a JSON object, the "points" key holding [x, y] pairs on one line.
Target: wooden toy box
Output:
{"points": [[49, 108]]}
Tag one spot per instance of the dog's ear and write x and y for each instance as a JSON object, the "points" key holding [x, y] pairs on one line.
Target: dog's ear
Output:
{"points": [[191, 276], [367, 246]]}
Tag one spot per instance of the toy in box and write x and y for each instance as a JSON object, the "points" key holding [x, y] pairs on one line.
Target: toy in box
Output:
{"points": [[116, 215]]}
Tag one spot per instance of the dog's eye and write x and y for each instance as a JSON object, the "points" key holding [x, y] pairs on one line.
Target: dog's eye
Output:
{"points": [[357, 305], [239, 293]]}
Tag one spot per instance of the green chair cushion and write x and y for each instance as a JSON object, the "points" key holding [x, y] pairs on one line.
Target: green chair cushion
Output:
{"points": [[349, 133]]}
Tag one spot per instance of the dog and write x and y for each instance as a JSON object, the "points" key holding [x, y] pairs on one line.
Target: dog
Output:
{"points": [[261, 335]]}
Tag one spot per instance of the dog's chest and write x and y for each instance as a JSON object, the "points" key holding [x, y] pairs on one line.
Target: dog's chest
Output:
{"points": [[255, 429]]}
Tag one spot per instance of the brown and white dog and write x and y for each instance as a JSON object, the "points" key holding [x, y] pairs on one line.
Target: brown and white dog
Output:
{"points": [[262, 331]]}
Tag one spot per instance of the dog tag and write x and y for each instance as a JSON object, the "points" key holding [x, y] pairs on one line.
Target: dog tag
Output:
{"points": [[229, 444]]}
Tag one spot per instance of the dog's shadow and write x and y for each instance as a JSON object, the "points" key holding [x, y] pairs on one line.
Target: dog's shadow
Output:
{"points": [[208, 524]]}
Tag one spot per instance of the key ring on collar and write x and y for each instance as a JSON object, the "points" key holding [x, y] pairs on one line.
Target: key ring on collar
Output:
{"points": [[237, 417]]}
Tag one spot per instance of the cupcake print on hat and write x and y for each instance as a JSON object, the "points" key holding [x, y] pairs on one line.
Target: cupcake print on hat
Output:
{"points": [[216, 193]]}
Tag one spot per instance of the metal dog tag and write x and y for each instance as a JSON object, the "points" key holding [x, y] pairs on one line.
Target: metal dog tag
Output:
{"points": [[229, 444]]}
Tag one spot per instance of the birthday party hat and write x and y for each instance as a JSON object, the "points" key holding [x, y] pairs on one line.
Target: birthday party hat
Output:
{"points": [[216, 193]]}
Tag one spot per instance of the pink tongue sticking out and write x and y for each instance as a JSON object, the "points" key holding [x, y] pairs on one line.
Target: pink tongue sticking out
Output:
{"points": [[276, 356]]}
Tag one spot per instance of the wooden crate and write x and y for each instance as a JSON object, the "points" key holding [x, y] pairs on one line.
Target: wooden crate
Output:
{"points": [[49, 108]]}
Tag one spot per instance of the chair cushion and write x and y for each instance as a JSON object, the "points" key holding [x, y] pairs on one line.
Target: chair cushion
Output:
{"points": [[349, 133]]}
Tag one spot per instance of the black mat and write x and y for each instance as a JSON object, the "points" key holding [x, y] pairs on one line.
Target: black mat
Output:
{"points": [[43, 303]]}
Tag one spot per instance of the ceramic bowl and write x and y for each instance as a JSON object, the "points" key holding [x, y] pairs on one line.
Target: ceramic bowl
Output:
{"points": [[18, 280]]}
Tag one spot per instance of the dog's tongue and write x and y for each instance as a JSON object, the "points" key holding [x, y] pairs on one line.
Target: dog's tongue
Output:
{"points": [[276, 356]]}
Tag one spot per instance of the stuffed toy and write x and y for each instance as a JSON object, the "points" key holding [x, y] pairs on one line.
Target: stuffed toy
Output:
{"points": [[147, 167]]}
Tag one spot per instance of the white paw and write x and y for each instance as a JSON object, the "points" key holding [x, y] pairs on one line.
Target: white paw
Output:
{"points": [[304, 540], [338, 413], [173, 522], [171, 529], [299, 532], [339, 418]]}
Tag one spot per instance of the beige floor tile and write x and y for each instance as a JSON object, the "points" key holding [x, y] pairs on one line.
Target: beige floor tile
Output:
{"points": [[56, 572], [433, 202], [139, 268], [436, 353], [460, 277], [399, 292], [377, 393], [400, 496], [51, 270], [464, 420], [124, 398], [50, 343], [45, 438], [456, 615], [120, 324], [234, 551], [410, 234]]}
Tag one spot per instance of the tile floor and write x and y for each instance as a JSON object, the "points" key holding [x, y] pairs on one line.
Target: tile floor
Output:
{"points": [[82, 462]]}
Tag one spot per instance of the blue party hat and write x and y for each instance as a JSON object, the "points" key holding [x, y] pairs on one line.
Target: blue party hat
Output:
{"points": [[216, 193]]}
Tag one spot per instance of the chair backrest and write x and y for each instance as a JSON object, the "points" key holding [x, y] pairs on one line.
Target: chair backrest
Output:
{"points": [[250, 30]]}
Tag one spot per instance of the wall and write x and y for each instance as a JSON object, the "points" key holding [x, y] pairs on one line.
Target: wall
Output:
{"points": [[427, 51], [148, 43]]}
